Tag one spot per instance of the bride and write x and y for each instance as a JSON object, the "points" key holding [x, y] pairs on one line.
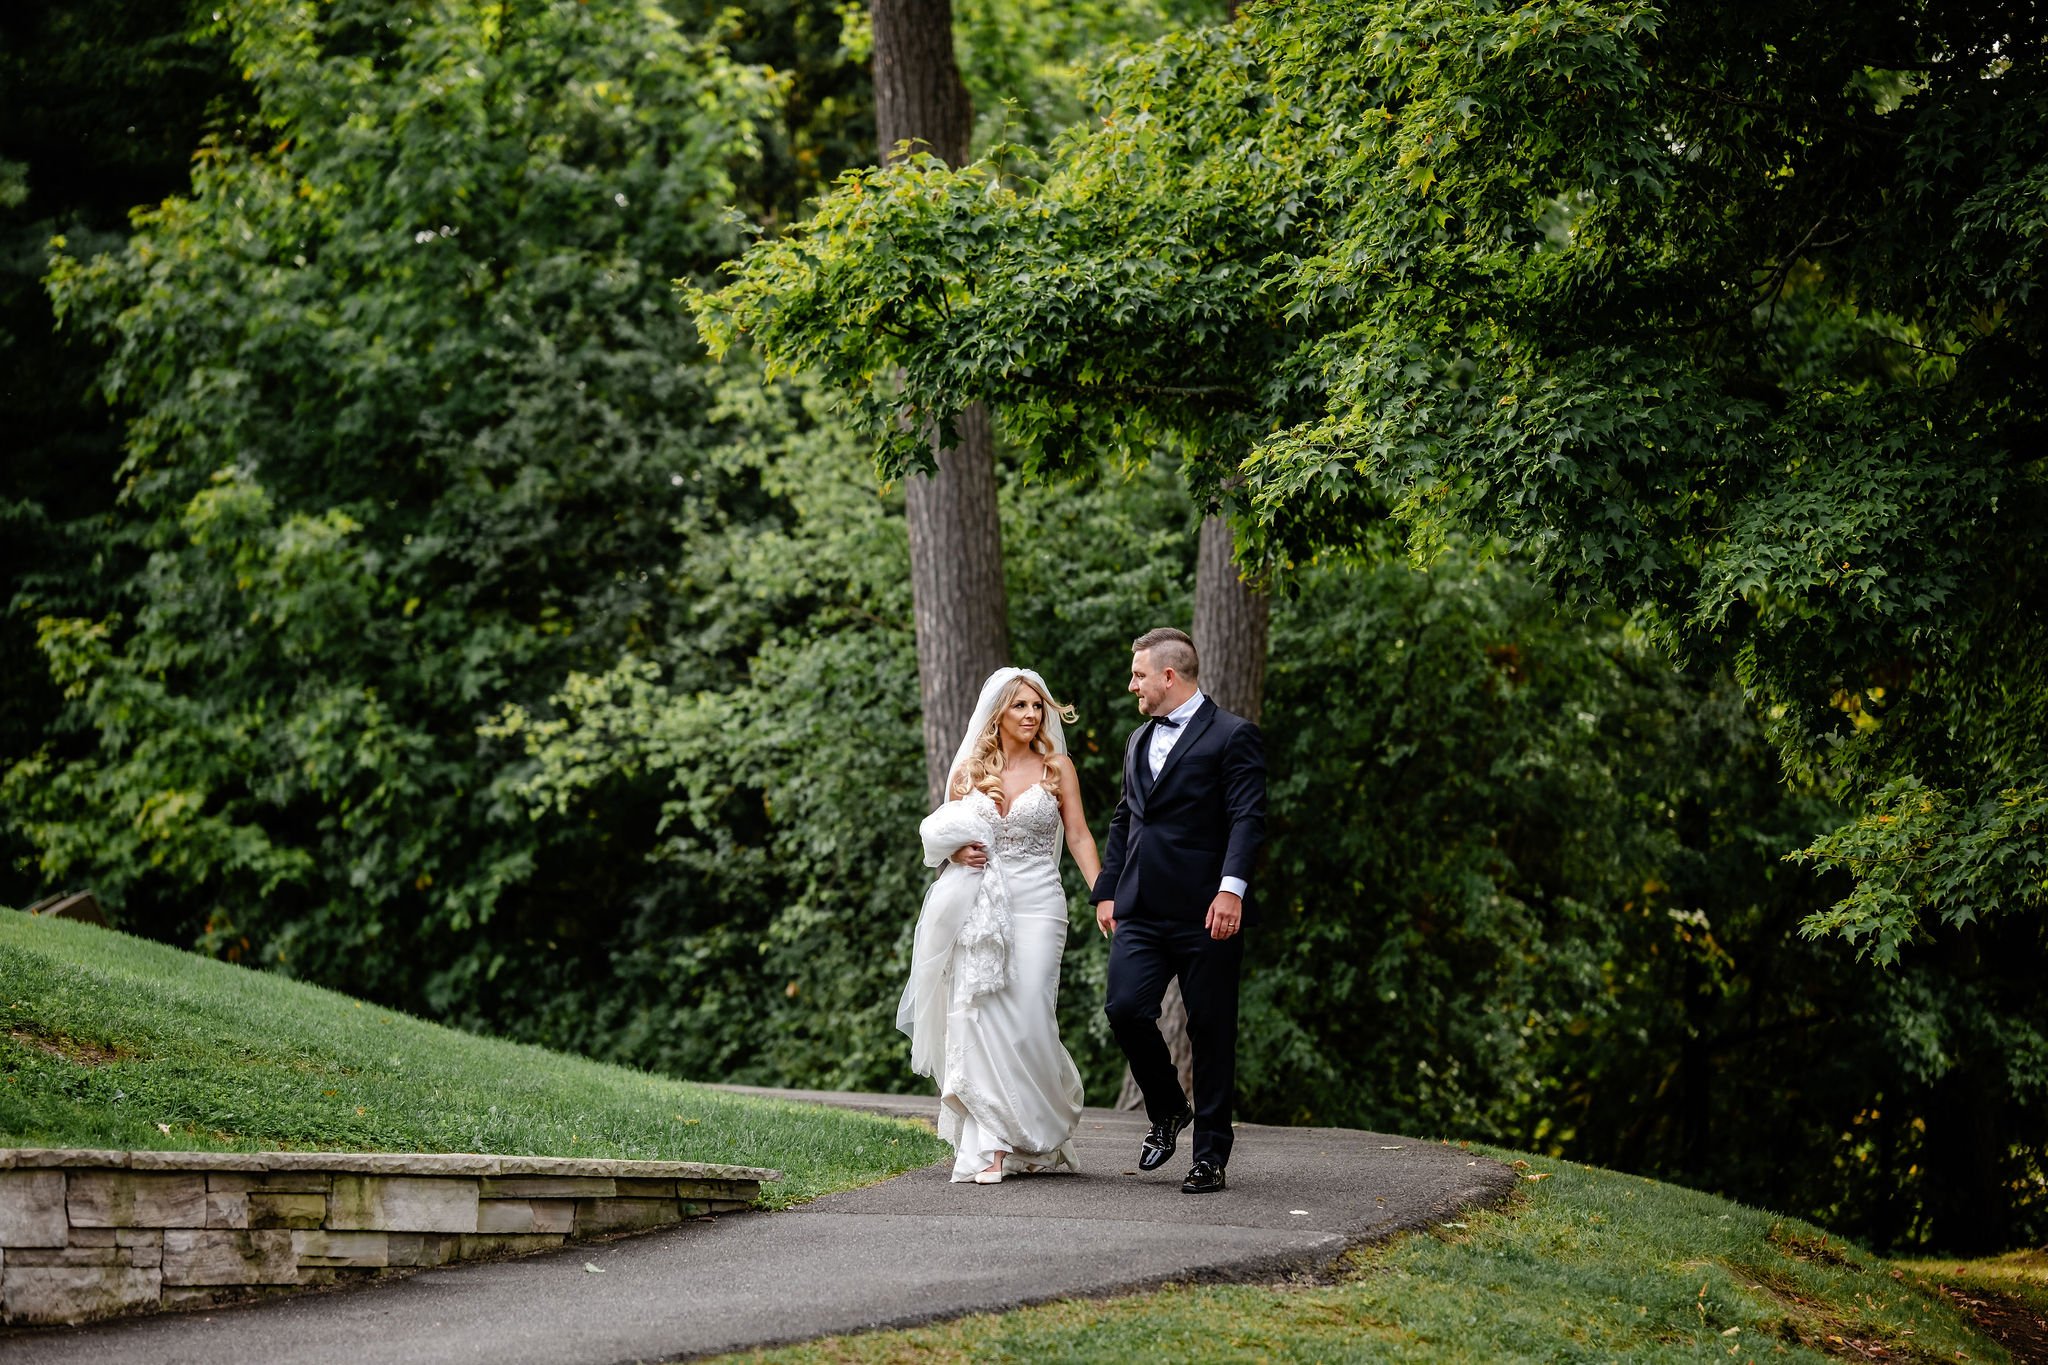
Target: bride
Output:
{"points": [[985, 969]]}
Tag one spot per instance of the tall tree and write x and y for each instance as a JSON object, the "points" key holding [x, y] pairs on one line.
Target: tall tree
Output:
{"points": [[1727, 316], [1743, 343], [956, 545], [412, 426]]}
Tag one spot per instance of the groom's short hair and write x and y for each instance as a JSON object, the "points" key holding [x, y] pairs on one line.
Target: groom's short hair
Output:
{"points": [[1172, 649]]}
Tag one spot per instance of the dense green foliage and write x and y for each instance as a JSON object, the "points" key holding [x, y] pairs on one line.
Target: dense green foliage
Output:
{"points": [[111, 1041], [458, 635], [407, 426], [1586, 1265], [1539, 888], [105, 101], [1723, 317]]}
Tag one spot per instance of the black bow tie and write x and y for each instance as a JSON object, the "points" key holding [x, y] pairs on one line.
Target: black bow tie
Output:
{"points": [[1168, 721]]}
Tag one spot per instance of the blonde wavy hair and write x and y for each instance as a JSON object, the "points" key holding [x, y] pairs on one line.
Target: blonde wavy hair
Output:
{"points": [[983, 769]]}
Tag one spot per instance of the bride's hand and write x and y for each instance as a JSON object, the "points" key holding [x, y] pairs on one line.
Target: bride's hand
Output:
{"points": [[971, 855]]}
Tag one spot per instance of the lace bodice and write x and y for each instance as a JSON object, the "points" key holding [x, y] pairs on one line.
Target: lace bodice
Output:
{"points": [[1030, 830]]}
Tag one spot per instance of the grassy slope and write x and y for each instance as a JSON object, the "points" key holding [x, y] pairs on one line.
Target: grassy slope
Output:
{"points": [[104, 1037], [2009, 1290], [2022, 1275], [112, 1041], [1588, 1265]]}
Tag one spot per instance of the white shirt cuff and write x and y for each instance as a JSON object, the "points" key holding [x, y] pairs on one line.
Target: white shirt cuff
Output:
{"points": [[1235, 886]]}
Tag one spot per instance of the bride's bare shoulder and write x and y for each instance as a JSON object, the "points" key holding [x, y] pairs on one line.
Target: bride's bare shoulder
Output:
{"points": [[1062, 777]]}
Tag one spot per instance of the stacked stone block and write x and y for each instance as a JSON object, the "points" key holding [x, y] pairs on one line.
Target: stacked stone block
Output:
{"points": [[86, 1234]]}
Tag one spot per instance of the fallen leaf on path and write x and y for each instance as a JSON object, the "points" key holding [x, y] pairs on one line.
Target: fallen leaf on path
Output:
{"points": [[1539, 1175], [593, 1269]]}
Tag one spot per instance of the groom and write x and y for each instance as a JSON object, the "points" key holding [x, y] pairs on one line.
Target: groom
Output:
{"points": [[1172, 892]]}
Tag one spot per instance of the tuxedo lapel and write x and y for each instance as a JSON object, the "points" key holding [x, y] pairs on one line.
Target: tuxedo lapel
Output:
{"points": [[1137, 772], [1190, 733]]}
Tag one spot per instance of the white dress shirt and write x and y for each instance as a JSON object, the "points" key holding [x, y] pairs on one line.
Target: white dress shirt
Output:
{"points": [[1164, 737]]}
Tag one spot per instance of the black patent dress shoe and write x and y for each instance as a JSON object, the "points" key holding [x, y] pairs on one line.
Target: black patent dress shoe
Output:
{"points": [[1205, 1178], [1159, 1143]]}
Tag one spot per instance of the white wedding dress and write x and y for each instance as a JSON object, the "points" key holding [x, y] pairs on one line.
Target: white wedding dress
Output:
{"points": [[1007, 1083]]}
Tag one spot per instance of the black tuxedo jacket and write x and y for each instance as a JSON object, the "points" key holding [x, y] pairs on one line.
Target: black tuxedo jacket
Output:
{"points": [[1174, 838]]}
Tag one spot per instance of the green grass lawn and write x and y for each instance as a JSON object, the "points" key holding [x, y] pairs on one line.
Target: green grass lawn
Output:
{"points": [[1585, 1265], [111, 1041], [2021, 1275], [2009, 1290]]}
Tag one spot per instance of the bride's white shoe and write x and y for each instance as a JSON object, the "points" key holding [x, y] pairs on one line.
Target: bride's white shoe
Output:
{"points": [[994, 1177]]}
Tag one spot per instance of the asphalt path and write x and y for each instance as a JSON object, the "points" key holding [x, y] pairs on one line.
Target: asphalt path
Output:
{"points": [[910, 1250]]}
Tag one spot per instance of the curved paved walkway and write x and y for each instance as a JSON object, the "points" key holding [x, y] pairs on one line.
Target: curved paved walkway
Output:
{"points": [[909, 1250]]}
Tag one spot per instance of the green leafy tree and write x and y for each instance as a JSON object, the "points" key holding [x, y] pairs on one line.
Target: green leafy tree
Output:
{"points": [[1725, 317], [412, 419], [105, 102], [1721, 317], [413, 432], [1535, 885]]}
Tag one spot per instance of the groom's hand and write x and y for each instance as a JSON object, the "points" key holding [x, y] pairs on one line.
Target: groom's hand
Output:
{"points": [[1105, 916], [1226, 915]]}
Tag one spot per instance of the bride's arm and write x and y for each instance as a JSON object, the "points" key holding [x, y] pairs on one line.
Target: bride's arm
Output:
{"points": [[953, 834], [1080, 842]]}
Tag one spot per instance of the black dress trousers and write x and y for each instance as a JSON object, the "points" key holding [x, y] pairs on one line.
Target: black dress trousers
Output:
{"points": [[1146, 954]]}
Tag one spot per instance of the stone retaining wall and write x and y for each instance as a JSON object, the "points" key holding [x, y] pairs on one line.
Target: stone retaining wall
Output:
{"points": [[86, 1234]]}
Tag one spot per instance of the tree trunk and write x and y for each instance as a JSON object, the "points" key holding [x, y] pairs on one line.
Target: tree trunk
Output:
{"points": [[1230, 638], [919, 95], [1230, 626], [956, 545], [956, 589]]}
